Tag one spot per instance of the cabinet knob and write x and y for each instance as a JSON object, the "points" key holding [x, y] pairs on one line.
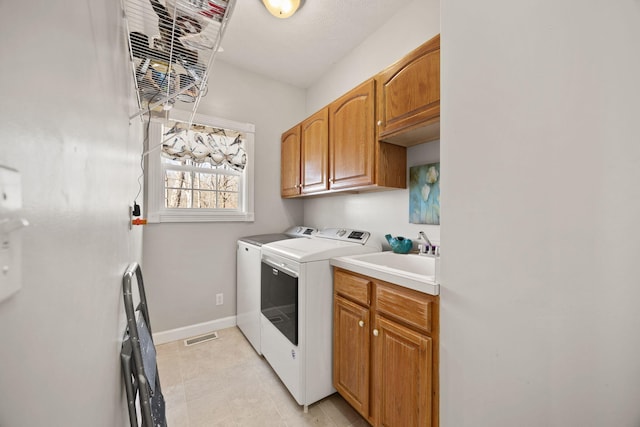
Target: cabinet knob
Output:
{"points": [[361, 323], [375, 332], [379, 122]]}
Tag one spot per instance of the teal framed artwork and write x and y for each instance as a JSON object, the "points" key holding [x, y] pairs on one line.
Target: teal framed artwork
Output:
{"points": [[424, 194]]}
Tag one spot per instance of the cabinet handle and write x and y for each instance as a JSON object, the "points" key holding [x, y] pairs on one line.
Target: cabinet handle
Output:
{"points": [[375, 332], [361, 323]]}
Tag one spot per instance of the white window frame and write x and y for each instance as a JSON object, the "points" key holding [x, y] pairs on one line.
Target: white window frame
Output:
{"points": [[158, 213]]}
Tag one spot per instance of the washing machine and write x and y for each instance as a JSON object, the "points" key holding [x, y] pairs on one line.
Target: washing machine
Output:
{"points": [[297, 307]]}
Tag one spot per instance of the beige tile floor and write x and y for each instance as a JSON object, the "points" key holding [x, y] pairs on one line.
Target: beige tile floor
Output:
{"points": [[224, 382]]}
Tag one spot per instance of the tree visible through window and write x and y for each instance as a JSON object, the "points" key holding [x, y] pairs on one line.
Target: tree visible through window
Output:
{"points": [[200, 189], [203, 168]]}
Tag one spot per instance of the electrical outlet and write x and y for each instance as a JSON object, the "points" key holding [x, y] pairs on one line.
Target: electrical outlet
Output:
{"points": [[219, 299]]}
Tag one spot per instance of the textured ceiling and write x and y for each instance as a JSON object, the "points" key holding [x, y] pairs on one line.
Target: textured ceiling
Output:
{"points": [[300, 49]]}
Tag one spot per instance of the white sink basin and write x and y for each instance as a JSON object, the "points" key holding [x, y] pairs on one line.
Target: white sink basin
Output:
{"points": [[409, 270]]}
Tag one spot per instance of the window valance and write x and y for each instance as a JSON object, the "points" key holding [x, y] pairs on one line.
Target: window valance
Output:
{"points": [[205, 145]]}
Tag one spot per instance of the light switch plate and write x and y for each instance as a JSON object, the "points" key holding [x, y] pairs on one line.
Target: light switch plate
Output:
{"points": [[10, 226]]}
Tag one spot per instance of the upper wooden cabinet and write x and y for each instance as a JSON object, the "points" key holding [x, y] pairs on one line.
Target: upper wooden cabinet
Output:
{"points": [[303, 156], [290, 163], [357, 159], [315, 141], [358, 142], [337, 149], [352, 137], [409, 97]]}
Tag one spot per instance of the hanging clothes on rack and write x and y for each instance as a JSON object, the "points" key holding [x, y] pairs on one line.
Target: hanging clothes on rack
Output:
{"points": [[170, 34]]}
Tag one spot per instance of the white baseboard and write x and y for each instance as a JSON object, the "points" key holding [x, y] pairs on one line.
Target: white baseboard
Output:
{"points": [[193, 330]]}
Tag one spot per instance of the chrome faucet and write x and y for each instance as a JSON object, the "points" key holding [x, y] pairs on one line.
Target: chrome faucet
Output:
{"points": [[424, 237], [428, 248]]}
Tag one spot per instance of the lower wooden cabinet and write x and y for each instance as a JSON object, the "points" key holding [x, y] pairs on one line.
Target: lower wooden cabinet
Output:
{"points": [[402, 375], [351, 353], [386, 351]]}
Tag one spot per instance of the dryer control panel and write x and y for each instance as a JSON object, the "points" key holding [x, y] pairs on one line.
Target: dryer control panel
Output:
{"points": [[344, 234]]}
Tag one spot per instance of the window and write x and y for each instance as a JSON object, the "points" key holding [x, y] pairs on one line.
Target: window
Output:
{"points": [[200, 173], [192, 187]]}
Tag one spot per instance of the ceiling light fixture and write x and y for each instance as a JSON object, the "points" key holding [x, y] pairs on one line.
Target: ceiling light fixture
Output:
{"points": [[282, 8]]}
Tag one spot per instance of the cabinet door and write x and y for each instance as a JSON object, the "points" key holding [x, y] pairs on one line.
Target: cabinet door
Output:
{"points": [[409, 92], [403, 377], [290, 163], [351, 353], [315, 147], [352, 137]]}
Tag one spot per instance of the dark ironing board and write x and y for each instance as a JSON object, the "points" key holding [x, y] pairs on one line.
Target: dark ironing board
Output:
{"points": [[138, 357]]}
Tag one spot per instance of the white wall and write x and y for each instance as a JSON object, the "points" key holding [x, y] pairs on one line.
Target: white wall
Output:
{"points": [[64, 125], [384, 212], [187, 264], [407, 29], [540, 155], [380, 213]]}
